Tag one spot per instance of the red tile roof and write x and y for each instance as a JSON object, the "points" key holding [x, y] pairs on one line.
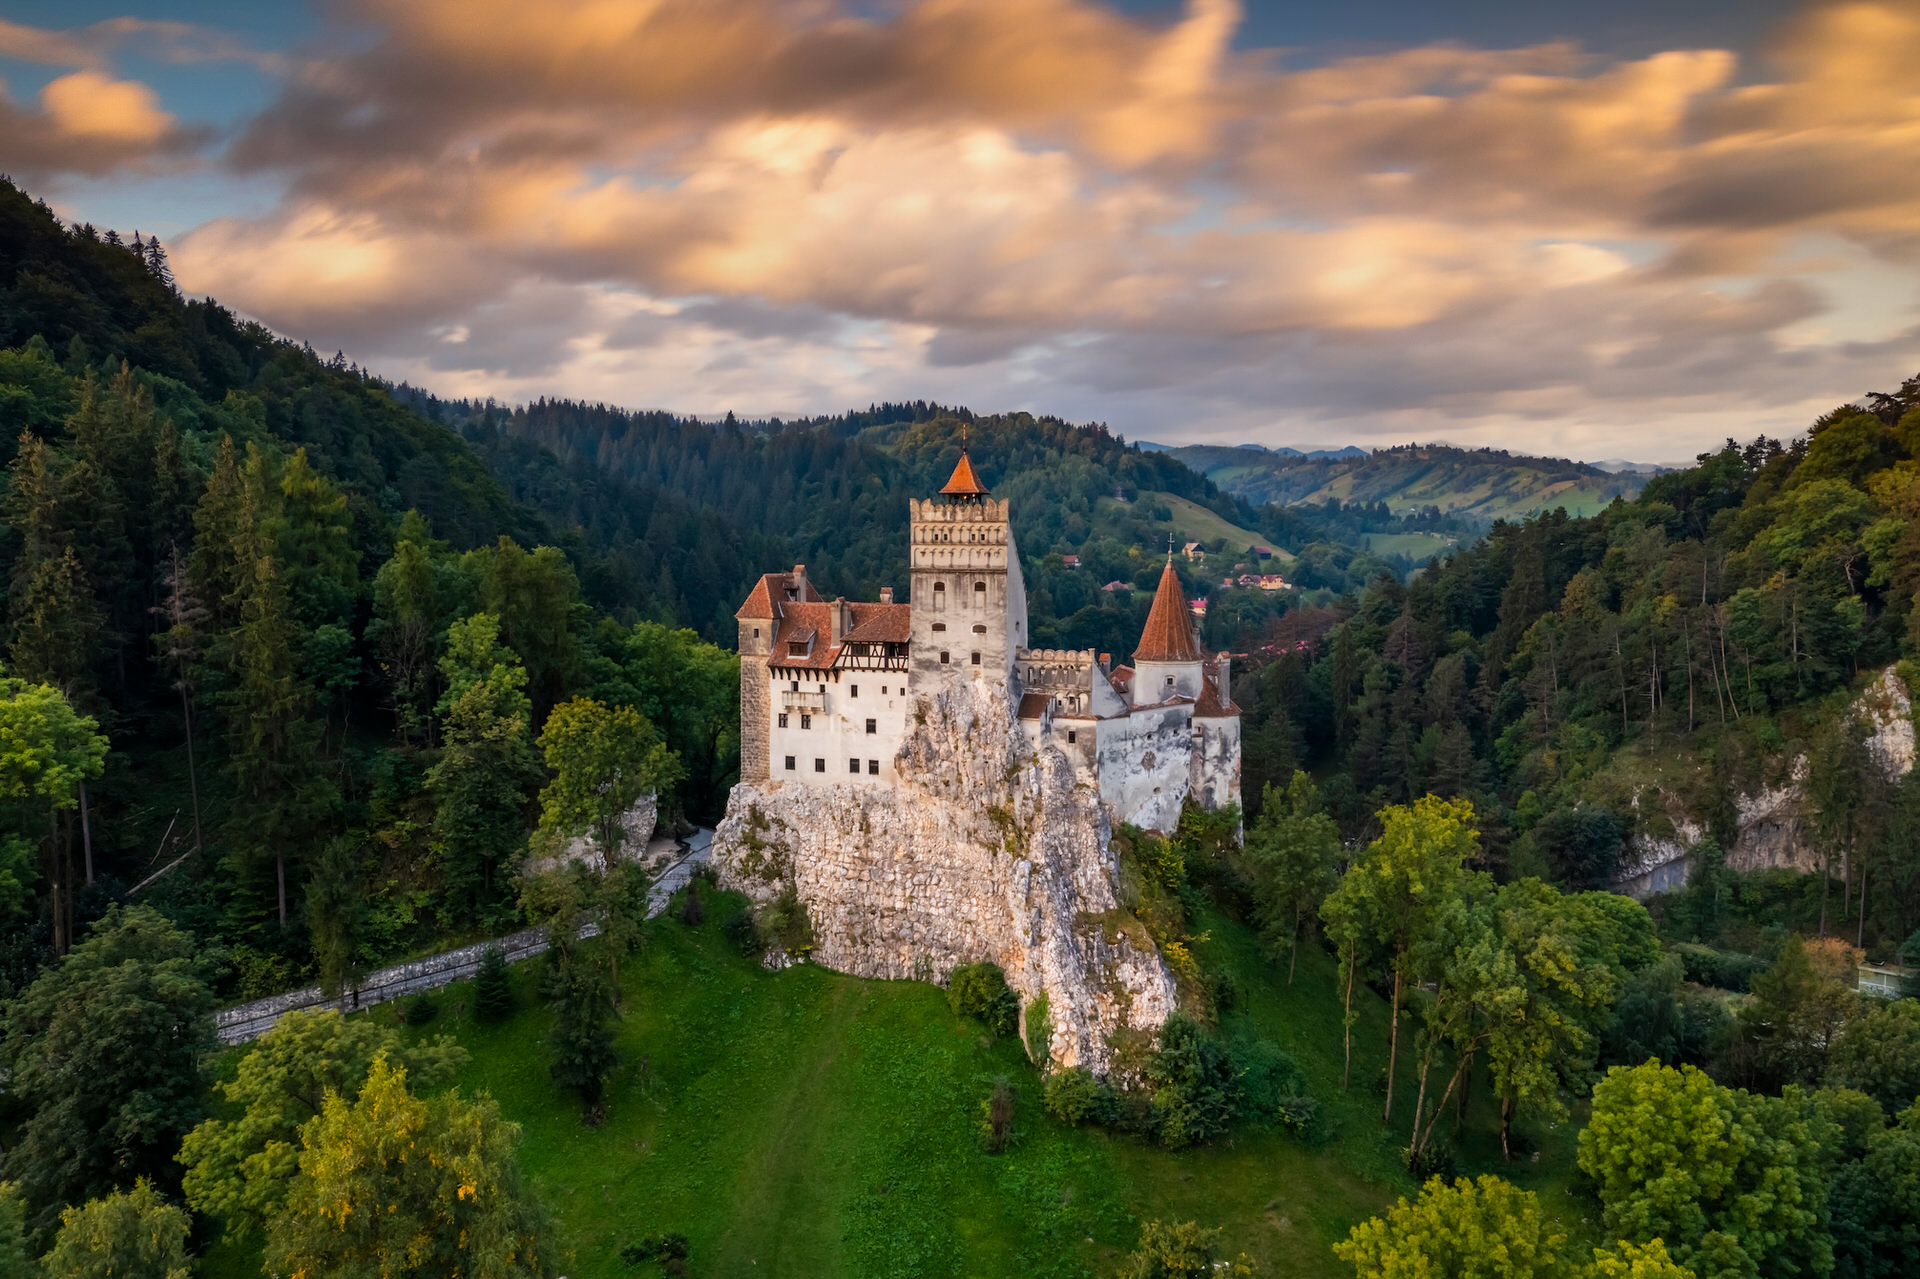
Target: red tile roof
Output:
{"points": [[770, 592], [1168, 636], [872, 624], [1033, 705], [964, 482]]}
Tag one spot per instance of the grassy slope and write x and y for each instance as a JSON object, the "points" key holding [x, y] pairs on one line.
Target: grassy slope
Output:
{"points": [[805, 1123], [1195, 523], [1417, 546]]}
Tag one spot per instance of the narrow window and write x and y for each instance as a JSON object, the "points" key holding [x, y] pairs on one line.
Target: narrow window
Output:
{"points": [[783, 719], [979, 588], [756, 632], [939, 586], [943, 657], [853, 766], [1072, 737], [806, 721], [979, 629], [789, 763], [873, 726], [853, 690], [819, 765], [976, 659], [873, 768], [795, 686]]}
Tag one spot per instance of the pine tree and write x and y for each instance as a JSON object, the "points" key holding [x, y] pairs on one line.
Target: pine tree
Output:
{"points": [[157, 263], [492, 989], [180, 651]]}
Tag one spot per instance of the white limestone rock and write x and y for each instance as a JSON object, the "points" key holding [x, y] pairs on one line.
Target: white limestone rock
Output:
{"points": [[984, 850]]}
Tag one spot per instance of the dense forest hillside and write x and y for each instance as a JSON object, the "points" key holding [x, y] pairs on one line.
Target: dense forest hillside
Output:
{"points": [[1474, 486]]}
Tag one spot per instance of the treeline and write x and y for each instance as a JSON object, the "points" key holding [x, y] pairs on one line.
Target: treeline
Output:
{"points": [[1546, 670]]}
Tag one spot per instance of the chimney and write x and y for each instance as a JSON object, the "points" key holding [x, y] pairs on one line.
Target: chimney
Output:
{"points": [[800, 580], [837, 625], [1106, 661], [886, 595]]}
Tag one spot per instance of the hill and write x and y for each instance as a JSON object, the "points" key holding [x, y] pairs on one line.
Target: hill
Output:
{"points": [[812, 1125], [1476, 486]]}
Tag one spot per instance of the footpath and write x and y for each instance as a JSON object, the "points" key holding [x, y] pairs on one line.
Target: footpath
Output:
{"points": [[249, 1021]]}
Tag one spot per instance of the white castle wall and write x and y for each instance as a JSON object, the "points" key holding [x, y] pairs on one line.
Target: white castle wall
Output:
{"points": [[1145, 764], [839, 709], [984, 849]]}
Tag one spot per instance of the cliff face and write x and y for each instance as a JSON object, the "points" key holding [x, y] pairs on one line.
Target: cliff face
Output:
{"points": [[1772, 824], [983, 850]]}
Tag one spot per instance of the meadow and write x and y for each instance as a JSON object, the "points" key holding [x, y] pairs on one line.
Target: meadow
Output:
{"points": [[807, 1123]]}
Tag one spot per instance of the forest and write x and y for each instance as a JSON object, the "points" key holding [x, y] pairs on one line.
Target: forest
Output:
{"points": [[305, 673]]}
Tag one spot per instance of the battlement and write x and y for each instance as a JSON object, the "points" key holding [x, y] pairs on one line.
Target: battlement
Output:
{"points": [[985, 511]]}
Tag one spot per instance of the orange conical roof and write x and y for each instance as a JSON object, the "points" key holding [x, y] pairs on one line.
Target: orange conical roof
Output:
{"points": [[964, 482], [1169, 633]]}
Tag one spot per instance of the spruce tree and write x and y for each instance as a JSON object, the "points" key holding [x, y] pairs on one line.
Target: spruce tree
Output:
{"points": [[492, 989]]}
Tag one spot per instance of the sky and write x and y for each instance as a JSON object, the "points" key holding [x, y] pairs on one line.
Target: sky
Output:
{"points": [[1601, 231]]}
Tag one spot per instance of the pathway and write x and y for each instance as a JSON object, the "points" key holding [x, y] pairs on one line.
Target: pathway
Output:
{"points": [[245, 1022]]}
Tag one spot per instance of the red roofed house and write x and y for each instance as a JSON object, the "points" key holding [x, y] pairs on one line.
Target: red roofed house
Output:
{"points": [[828, 689]]}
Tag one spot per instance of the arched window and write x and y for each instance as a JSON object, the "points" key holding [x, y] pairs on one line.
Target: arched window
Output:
{"points": [[979, 588], [979, 629]]}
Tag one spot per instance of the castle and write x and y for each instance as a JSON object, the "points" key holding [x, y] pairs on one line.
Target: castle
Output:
{"points": [[828, 688]]}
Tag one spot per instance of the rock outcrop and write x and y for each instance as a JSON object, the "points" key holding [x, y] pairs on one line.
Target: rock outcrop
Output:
{"points": [[984, 849], [1772, 823]]}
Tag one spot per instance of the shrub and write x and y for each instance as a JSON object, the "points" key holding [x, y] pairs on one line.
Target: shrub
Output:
{"points": [[1040, 1031], [492, 990], [1727, 969], [783, 924], [670, 1250], [1074, 1096], [996, 1117], [743, 932], [981, 990], [693, 911], [1267, 1076], [1181, 1250], [420, 1010], [1300, 1115], [1196, 1091]]}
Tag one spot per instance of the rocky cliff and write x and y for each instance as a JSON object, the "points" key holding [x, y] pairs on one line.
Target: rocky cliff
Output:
{"points": [[983, 850], [1771, 823]]}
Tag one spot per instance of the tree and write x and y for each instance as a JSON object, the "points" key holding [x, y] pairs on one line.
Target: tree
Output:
{"points": [[180, 647], [15, 1262], [1181, 1250], [239, 1169], [130, 1003], [1783, 1032], [1879, 1054], [336, 909], [580, 993], [1734, 1183], [1293, 851], [603, 760], [132, 1234], [1399, 896], [487, 767], [390, 1184], [47, 751], [1875, 1202], [492, 988], [1470, 1230]]}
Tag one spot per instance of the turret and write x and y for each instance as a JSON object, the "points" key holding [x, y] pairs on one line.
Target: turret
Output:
{"points": [[1168, 662]]}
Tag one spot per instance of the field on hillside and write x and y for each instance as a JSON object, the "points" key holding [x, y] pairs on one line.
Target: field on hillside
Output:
{"points": [[1195, 523], [809, 1124], [1415, 546]]}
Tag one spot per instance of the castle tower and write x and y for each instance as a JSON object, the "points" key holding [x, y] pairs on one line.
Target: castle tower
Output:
{"points": [[969, 602], [1168, 662], [759, 618]]}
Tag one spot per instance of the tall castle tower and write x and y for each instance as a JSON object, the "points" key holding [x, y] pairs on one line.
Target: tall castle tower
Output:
{"points": [[969, 602]]}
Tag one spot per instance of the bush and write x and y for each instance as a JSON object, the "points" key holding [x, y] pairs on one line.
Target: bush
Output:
{"points": [[1727, 969], [670, 1250], [1267, 1076], [693, 911], [783, 924], [996, 1117], [1181, 1250], [420, 1010], [1074, 1096], [981, 990], [492, 990], [743, 933], [1040, 1031], [1196, 1090], [1300, 1115]]}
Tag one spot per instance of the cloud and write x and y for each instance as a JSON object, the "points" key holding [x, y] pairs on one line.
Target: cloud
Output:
{"points": [[88, 122], [1048, 198]]}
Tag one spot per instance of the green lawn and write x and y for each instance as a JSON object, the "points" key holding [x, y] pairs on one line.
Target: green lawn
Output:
{"points": [[1415, 546], [806, 1123], [1195, 523]]}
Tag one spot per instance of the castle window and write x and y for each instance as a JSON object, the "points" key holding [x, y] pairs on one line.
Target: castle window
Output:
{"points": [[789, 763], [795, 686], [873, 726], [756, 632], [853, 690], [873, 768], [943, 657], [976, 659], [783, 719], [806, 721], [939, 626], [939, 586], [883, 690], [853, 766], [979, 629], [1072, 737], [819, 765], [979, 588], [796, 648]]}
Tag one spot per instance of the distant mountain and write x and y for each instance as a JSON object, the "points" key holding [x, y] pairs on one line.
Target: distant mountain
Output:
{"points": [[1479, 485], [1618, 465]]}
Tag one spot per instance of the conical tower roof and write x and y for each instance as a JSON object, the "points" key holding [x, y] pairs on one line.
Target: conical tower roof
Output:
{"points": [[964, 482], [1169, 633]]}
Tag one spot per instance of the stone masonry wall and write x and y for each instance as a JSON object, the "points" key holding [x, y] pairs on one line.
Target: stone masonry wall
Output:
{"points": [[984, 850]]}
